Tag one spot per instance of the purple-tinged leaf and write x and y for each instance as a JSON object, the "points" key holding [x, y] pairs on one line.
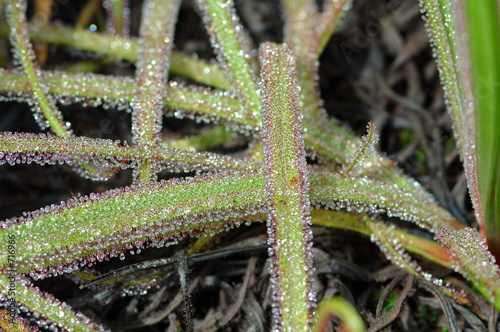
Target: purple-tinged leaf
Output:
{"points": [[473, 260], [202, 103], [54, 313], [155, 45], [60, 238], [287, 187], [16, 148]]}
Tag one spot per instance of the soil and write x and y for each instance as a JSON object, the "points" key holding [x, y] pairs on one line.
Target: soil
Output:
{"points": [[378, 66]]}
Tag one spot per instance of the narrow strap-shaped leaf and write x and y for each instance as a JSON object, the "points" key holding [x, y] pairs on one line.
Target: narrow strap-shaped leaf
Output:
{"points": [[93, 90], [330, 140], [428, 249], [58, 228], [91, 228], [156, 40], [54, 313], [125, 49], [328, 20], [356, 162], [221, 21], [287, 186], [363, 194], [46, 112], [205, 141], [446, 25], [117, 21], [391, 245], [302, 37], [472, 259], [16, 148]]}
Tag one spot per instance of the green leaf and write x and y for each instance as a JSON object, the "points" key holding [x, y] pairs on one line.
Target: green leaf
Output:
{"points": [[446, 26], [332, 13], [226, 35], [93, 90], [365, 194], [46, 112], [53, 312], [483, 25], [91, 228], [473, 260], [156, 40], [48, 149], [125, 48], [289, 231]]}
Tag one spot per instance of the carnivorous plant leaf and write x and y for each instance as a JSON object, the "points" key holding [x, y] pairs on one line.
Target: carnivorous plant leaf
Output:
{"points": [[472, 259], [289, 220], [54, 313], [91, 228]]}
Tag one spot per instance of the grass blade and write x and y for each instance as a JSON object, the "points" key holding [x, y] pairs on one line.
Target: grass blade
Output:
{"points": [[484, 40]]}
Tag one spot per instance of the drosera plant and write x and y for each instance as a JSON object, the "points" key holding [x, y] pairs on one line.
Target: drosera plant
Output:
{"points": [[271, 96], [470, 73]]}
